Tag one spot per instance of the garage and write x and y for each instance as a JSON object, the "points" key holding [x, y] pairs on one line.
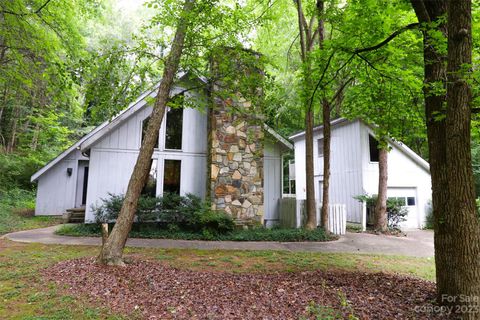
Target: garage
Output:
{"points": [[408, 197]]}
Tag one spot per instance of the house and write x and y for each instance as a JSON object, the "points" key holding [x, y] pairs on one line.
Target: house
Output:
{"points": [[210, 151], [354, 171]]}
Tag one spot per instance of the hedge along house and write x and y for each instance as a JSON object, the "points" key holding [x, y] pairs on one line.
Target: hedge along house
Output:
{"points": [[354, 171], [215, 150]]}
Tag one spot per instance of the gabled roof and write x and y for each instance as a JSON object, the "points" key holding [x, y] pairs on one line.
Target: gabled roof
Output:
{"points": [[333, 123], [120, 118], [277, 136], [65, 153], [399, 145], [93, 136]]}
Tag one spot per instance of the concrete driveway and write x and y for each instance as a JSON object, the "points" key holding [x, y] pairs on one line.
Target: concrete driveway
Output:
{"points": [[417, 243]]}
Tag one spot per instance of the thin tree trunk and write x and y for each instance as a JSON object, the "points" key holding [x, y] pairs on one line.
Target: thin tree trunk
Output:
{"points": [[310, 183], [309, 168], [36, 133], [463, 239], [13, 133], [326, 131], [381, 205], [112, 251], [326, 165]]}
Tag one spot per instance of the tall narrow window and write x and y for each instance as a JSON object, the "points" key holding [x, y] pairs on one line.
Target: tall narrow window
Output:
{"points": [[320, 147], [173, 134], [150, 188], [374, 153], [171, 178], [144, 130]]}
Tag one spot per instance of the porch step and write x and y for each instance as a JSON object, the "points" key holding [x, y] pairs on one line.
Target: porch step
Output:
{"points": [[75, 215]]}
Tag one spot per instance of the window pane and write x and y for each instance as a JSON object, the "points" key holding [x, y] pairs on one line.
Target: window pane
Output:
{"points": [[144, 130], [171, 179], [150, 187], [173, 135], [374, 153], [411, 201], [320, 147]]}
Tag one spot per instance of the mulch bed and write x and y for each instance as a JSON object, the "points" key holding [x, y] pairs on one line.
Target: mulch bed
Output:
{"points": [[157, 291]]}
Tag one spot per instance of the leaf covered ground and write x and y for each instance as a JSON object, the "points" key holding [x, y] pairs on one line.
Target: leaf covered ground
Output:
{"points": [[153, 290], [35, 282]]}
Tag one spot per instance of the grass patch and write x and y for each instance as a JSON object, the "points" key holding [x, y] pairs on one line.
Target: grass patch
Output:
{"points": [[25, 295], [155, 232], [17, 212]]}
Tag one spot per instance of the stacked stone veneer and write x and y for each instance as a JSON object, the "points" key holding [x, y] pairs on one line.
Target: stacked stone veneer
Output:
{"points": [[236, 160]]}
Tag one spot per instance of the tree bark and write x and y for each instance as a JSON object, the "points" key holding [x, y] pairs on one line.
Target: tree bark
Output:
{"points": [[112, 251], [462, 239], [326, 165], [326, 132], [381, 205], [309, 167], [310, 183], [456, 240]]}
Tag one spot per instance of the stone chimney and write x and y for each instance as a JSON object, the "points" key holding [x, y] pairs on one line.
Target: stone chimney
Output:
{"points": [[236, 140]]}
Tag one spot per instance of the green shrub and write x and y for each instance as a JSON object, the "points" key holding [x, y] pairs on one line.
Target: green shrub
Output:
{"points": [[171, 211], [151, 230], [396, 212], [429, 219]]}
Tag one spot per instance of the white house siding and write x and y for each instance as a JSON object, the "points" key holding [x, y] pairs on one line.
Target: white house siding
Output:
{"points": [[403, 174], [272, 181], [113, 157], [345, 168], [56, 190]]}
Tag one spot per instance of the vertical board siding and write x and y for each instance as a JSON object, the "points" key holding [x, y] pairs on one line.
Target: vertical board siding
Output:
{"points": [[272, 184], [345, 168], [113, 157], [56, 191], [403, 172]]}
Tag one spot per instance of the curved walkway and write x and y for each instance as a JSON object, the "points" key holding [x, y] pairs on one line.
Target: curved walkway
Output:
{"points": [[417, 243]]}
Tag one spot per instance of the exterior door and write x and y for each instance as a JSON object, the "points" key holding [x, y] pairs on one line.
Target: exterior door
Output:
{"points": [[82, 184]]}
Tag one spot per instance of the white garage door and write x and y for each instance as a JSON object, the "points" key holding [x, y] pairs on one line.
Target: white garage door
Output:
{"points": [[408, 196]]}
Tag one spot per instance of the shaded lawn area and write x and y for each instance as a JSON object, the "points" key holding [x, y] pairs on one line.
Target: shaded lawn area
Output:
{"points": [[26, 294], [22, 219]]}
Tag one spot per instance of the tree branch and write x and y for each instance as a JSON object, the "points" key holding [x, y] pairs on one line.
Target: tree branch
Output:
{"points": [[26, 14], [388, 39], [357, 52], [340, 90]]}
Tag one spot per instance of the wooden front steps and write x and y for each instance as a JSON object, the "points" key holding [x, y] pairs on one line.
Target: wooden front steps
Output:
{"points": [[75, 215]]}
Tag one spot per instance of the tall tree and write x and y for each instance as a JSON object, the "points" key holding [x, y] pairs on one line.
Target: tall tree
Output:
{"points": [[326, 111], [112, 251], [306, 42], [457, 230], [462, 238]]}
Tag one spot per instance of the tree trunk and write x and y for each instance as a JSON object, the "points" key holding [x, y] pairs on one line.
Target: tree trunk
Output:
{"points": [[310, 183], [14, 126], [462, 241], [326, 165], [450, 247], [309, 168], [381, 205], [112, 251]]}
